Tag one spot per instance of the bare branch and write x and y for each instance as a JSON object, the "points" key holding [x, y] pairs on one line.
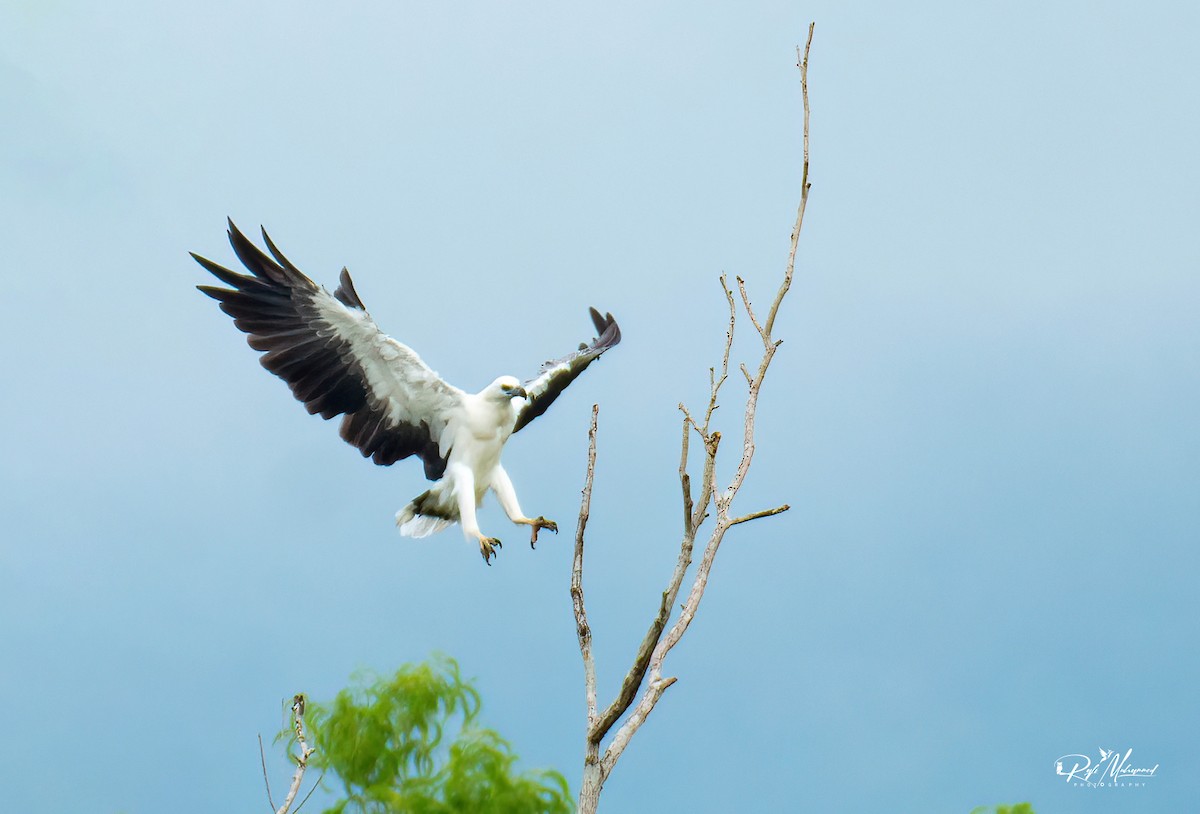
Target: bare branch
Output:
{"points": [[306, 752], [633, 679], [263, 757], [582, 629], [715, 386], [685, 480], [310, 793], [654, 691], [724, 522], [651, 654], [746, 518], [750, 309], [642, 660], [687, 416], [647, 667], [707, 478], [802, 64]]}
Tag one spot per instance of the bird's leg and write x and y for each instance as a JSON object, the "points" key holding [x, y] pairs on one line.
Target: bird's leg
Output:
{"points": [[464, 493], [502, 486]]}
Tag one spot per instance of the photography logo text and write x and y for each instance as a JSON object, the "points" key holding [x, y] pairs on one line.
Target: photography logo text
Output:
{"points": [[1110, 770]]}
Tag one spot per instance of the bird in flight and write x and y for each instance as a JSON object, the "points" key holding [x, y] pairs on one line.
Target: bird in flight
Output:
{"points": [[337, 362]]}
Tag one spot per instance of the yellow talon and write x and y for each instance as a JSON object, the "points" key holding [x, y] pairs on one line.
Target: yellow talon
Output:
{"points": [[539, 524], [487, 548]]}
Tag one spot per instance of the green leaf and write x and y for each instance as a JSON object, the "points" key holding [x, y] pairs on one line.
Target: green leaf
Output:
{"points": [[409, 743]]}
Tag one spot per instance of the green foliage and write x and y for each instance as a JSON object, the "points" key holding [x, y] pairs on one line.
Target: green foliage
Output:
{"points": [[1016, 808], [385, 739]]}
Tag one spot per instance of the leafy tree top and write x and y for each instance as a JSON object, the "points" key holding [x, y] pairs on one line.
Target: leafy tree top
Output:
{"points": [[410, 743]]}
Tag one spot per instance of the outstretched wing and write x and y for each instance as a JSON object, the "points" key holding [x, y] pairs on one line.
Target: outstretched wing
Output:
{"points": [[334, 357], [556, 375]]}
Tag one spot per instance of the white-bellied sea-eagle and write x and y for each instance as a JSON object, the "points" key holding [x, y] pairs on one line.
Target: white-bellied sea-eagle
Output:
{"points": [[337, 362]]}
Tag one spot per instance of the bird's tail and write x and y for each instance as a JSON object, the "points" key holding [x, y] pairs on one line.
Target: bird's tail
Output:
{"points": [[427, 514]]}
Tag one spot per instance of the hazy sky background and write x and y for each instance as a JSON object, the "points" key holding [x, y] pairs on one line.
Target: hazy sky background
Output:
{"points": [[983, 415]]}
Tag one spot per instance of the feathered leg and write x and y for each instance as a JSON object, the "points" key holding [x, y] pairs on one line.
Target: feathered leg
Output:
{"points": [[464, 494]]}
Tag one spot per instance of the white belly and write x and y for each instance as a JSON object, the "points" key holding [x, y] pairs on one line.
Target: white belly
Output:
{"points": [[479, 453]]}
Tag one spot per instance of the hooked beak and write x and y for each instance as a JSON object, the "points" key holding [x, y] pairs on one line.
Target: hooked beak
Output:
{"points": [[518, 392]]}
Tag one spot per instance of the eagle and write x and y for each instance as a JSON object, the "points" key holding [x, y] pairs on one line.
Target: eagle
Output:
{"points": [[337, 361]]}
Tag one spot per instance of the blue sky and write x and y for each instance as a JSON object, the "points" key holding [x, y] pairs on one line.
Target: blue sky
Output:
{"points": [[983, 414]]}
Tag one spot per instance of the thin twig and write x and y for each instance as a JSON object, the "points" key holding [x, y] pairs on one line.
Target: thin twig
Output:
{"points": [[745, 518], [263, 757], [715, 386], [750, 310], [688, 418], [685, 480], [802, 64], [310, 792]]}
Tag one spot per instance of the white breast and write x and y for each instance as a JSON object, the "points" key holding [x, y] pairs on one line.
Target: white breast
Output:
{"points": [[480, 437]]}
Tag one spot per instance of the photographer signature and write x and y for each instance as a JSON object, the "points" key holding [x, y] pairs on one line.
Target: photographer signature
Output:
{"points": [[1111, 769]]}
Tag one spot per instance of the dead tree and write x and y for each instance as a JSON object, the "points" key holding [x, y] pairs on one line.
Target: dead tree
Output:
{"points": [[645, 676]]}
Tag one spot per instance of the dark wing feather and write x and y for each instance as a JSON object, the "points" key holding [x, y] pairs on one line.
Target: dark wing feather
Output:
{"points": [[334, 358], [556, 375]]}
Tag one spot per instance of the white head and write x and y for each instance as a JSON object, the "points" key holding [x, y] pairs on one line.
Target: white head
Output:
{"points": [[505, 388]]}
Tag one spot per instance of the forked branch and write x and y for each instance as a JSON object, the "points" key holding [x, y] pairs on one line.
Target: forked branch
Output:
{"points": [[646, 673]]}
